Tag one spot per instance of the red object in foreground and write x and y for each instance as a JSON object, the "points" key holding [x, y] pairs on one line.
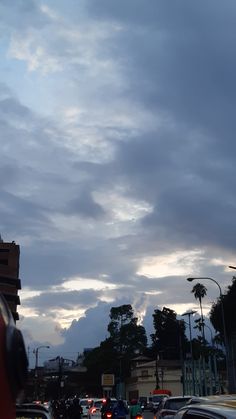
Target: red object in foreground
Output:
{"points": [[162, 391]]}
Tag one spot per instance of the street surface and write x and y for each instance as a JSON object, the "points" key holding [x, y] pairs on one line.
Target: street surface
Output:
{"points": [[148, 415]]}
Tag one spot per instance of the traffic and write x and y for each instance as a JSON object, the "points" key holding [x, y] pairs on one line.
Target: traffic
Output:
{"points": [[168, 407]]}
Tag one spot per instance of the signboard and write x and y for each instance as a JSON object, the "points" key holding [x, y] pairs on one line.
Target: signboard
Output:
{"points": [[108, 380]]}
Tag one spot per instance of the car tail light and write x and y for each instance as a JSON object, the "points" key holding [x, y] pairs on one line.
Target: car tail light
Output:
{"points": [[93, 410], [109, 415]]}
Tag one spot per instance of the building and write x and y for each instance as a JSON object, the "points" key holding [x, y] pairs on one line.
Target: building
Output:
{"points": [[9, 274], [143, 377]]}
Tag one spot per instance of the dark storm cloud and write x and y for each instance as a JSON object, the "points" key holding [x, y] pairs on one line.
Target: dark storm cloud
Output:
{"points": [[21, 214], [58, 260], [184, 65], [85, 205], [48, 301]]}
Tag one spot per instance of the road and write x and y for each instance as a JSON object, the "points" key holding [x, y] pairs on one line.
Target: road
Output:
{"points": [[148, 415]]}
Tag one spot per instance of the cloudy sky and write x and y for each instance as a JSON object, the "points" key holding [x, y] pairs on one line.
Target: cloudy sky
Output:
{"points": [[117, 161]]}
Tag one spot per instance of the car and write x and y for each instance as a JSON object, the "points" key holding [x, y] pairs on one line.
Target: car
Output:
{"points": [[85, 404], [215, 410], [170, 405], [94, 411], [225, 398], [143, 401], [33, 411], [156, 400], [126, 403]]}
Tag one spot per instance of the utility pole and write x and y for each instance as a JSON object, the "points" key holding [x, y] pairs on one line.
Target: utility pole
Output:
{"points": [[189, 313]]}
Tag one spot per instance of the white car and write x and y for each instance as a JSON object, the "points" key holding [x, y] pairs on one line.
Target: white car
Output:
{"points": [[170, 405], [219, 410], [94, 411], [33, 411], [85, 404]]}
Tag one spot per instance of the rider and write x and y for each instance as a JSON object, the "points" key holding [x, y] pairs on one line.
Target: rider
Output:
{"points": [[106, 407], [135, 409], [119, 410]]}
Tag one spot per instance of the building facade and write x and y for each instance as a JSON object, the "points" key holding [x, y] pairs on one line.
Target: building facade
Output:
{"points": [[9, 274], [145, 375]]}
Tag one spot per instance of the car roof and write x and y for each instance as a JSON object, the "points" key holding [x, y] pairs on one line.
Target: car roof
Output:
{"points": [[31, 406], [219, 398], [219, 409], [179, 397], [33, 409]]}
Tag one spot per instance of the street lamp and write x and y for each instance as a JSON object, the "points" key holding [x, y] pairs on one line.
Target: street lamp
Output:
{"points": [[36, 352], [189, 313], [223, 318]]}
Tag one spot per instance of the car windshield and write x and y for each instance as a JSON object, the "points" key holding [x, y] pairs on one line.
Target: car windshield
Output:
{"points": [[30, 415], [98, 403], [175, 404], [157, 399], [84, 402]]}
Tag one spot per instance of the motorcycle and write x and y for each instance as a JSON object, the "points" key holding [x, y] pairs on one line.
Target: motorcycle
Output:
{"points": [[107, 414]]}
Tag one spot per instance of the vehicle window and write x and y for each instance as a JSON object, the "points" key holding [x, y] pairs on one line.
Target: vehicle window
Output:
{"points": [[98, 404], [84, 402], [174, 404], [157, 399], [198, 415]]}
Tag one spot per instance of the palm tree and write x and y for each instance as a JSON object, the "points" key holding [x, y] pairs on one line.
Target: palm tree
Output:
{"points": [[199, 291]]}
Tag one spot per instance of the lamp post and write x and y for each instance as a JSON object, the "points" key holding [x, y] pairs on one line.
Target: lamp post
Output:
{"points": [[36, 352], [223, 319], [189, 313]]}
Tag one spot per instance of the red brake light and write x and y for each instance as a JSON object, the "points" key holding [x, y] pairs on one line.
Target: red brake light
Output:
{"points": [[109, 415], [93, 410]]}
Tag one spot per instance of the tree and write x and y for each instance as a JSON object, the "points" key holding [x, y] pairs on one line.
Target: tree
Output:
{"points": [[99, 360], [169, 334], [199, 291], [128, 337], [228, 301], [114, 354]]}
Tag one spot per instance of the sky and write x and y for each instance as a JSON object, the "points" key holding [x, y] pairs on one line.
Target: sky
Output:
{"points": [[117, 161]]}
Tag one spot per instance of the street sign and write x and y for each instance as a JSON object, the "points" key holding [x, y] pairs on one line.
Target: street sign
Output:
{"points": [[108, 380]]}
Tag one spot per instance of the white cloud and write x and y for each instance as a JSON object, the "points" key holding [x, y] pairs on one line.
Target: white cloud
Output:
{"points": [[177, 263]]}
